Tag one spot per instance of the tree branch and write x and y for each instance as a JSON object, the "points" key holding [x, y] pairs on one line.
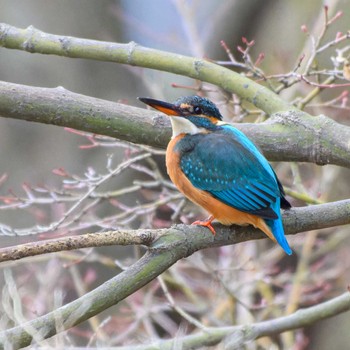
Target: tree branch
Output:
{"points": [[289, 136], [319, 139], [237, 336], [35, 41], [162, 253], [61, 107], [168, 246], [88, 240], [156, 260], [295, 220]]}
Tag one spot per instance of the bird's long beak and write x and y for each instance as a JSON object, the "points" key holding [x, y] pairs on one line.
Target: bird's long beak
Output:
{"points": [[165, 107]]}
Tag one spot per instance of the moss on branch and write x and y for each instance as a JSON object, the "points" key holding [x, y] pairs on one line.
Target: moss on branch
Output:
{"points": [[35, 41], [295, 220], [162, 253], [288, 136], [298, 136]]}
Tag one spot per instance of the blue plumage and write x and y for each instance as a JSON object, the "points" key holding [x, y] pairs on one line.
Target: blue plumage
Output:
{"points": [[276, 227], [229, 166], [220, 160]]}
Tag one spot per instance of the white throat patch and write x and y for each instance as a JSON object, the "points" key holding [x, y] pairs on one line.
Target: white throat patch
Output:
{"points": [[182, 125]]}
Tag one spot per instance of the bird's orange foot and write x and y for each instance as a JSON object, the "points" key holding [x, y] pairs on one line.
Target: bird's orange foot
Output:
{"points": [[206, 223]]}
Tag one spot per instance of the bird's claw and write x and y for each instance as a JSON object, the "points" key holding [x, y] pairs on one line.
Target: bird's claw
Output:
{"points": [[206, 223]]}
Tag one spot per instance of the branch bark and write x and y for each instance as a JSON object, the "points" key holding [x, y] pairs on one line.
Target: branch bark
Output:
{"points": [[35, 41], [61, 107], [237, 336], [295, 220], [288, 136], [163, 253], [314, 139], [156, 260], [168, 246]]}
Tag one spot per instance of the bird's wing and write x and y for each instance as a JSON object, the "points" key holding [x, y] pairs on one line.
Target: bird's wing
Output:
{"points": [[232, 171]]}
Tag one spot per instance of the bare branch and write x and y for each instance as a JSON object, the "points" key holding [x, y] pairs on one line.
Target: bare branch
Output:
{"points": [[99, 239], [64, 108], [237, 336], [35, 41], [155, 261], [295, 220], [289, 136], [163, 253]]}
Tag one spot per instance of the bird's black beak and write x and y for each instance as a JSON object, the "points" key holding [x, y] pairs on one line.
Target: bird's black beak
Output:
{"points": [[165, 107]]}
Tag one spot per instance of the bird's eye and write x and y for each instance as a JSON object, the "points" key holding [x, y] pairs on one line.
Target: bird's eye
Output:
{"points": [[197, 110]]}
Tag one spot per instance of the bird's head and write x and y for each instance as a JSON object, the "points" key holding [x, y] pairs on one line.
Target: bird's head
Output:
{"points": [[189, 115]]}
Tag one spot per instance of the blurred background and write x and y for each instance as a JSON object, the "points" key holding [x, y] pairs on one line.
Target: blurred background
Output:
{"points": [[29, 152]]}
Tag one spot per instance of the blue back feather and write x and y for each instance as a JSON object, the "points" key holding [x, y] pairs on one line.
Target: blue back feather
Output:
{"points": [[229, 166]]}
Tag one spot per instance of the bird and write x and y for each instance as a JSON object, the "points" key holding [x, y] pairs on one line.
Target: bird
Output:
{"points": [[219, 168]]}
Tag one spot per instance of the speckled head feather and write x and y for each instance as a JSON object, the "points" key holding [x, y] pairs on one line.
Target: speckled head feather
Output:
{"points": [[196, 105]]}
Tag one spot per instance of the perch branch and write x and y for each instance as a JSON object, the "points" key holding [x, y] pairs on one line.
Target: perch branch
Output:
{"points": [[295, 220], [162, 253]]}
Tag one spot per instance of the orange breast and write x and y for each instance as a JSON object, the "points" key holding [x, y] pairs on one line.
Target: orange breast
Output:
{"points": [[221, 211]]}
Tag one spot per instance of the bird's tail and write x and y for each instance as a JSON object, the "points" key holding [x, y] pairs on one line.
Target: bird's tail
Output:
{"points": [[276, 227]]}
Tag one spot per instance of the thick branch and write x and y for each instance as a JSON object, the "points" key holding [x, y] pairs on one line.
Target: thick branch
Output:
{"points": [[168, 246], [295, 220], [290, 136], [64, 108], [35, 41], [158, 258], [300, 137], [317, 140], [163, 253]]}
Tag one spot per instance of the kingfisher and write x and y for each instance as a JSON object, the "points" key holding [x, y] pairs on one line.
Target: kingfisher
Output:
{"points": [[219, 168]]}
